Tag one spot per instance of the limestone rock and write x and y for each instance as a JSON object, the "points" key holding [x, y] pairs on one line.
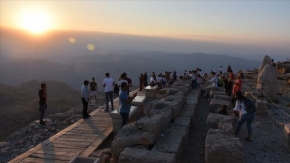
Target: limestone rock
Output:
{"points": [[174, 141], [131, 155], [222, 97], [266, 60], [267, 80], [223, 147], [217, 103], [213, 120], [183, 121], [283, 67], [226, 126]]}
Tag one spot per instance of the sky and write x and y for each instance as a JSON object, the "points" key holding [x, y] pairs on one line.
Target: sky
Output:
{"points": [[261, 23]]}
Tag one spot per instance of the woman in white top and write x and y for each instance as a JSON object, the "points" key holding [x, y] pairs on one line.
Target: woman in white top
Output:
{"points": [[244, 116]]}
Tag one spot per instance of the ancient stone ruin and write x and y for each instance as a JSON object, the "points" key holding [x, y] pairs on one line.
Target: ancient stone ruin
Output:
{"points": [[162, 134], [267, 81]]}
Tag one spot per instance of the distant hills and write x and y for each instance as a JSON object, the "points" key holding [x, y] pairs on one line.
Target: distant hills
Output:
{"points": [[19, 104], [80, 68]]}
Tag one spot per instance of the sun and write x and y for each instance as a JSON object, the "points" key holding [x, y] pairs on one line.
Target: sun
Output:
{"points": [[35, 21]]}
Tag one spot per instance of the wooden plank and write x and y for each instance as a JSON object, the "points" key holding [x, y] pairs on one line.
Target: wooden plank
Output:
{"points": [[65, 146], [80, 135], [71, 143], [69, 152], [97, 142], [59, 149], [51, 157], [39, 146], [75, 139], [39, 160]]}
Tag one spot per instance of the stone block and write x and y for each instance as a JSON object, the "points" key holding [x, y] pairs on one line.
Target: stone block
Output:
{"points": [[130, 136], [150, 92], [174, 141], [215, 104], [189, 111], [216, 91], [130, 155], [183, 121], [286, 135], [261, 107], [175, 103], [226, 126], [222, 97], [156, 123], [213, 120], [117, 119], [194, 94], [223, 147]]}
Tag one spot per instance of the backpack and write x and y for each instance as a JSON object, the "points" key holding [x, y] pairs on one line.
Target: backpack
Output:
{"points": [[220, 83], [250, 106]]}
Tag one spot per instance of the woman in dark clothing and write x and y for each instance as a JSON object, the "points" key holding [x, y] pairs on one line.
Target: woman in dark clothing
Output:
{"points": [[145, 79]]}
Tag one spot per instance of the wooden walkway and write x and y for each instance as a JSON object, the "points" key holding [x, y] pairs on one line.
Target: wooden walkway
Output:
{"points": [[79, 139]]}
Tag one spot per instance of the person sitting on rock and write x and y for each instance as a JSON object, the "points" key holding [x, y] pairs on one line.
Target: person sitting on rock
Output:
{"points": [[223, 110]]}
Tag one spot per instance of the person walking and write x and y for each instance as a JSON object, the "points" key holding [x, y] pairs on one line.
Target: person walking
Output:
{"points": [[109, 84], [125, 105], [93, 90], [244, 115], [85, 99], [42, 93]]}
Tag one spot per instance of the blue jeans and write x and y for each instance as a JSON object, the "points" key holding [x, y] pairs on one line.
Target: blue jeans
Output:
{"points": [[249, 117], [42, 108], [109, 95]]}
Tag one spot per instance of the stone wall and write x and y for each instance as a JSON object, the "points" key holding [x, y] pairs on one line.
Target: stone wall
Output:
{"points": [[162, 134], [221, 146]]}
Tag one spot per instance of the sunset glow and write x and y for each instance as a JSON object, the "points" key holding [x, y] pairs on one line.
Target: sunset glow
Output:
{"points": [[35, 21]]}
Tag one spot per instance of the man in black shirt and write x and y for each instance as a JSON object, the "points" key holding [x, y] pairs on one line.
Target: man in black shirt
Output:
{"points": [[42, 93]]}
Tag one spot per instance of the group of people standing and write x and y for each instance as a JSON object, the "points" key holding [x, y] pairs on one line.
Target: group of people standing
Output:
{"points": [[233, 87]]}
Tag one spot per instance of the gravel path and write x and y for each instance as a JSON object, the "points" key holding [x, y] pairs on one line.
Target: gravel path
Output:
{"points": [[194, 152], [267, 145], [267, 142]]}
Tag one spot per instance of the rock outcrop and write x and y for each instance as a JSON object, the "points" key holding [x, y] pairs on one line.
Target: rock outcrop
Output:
{"points": [[267, 81]]}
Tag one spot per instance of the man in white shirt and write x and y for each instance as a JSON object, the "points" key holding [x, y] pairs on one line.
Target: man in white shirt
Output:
{"points": [[85, 99], [221, 70], [109, 84]]}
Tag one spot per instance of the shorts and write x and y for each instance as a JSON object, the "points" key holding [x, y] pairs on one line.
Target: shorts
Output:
{"points": [[93, 93]]}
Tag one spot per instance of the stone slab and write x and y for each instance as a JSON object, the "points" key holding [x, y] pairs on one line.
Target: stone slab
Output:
{"points": [[138, 101], [216, 91], [222, 97], [216, 103], [183, 121], [223, 147], [131, 155], [174, 141], [213, 120]]}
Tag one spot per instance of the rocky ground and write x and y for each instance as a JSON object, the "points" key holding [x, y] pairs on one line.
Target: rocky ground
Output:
{"points": [[28, 137], [267, 144]]}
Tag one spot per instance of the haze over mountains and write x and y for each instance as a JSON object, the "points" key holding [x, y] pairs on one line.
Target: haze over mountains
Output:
{"points": [[19, 105], [63, 56]]}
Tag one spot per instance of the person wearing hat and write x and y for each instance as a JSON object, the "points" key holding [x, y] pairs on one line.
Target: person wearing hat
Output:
{"points": [[85, 99]]}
